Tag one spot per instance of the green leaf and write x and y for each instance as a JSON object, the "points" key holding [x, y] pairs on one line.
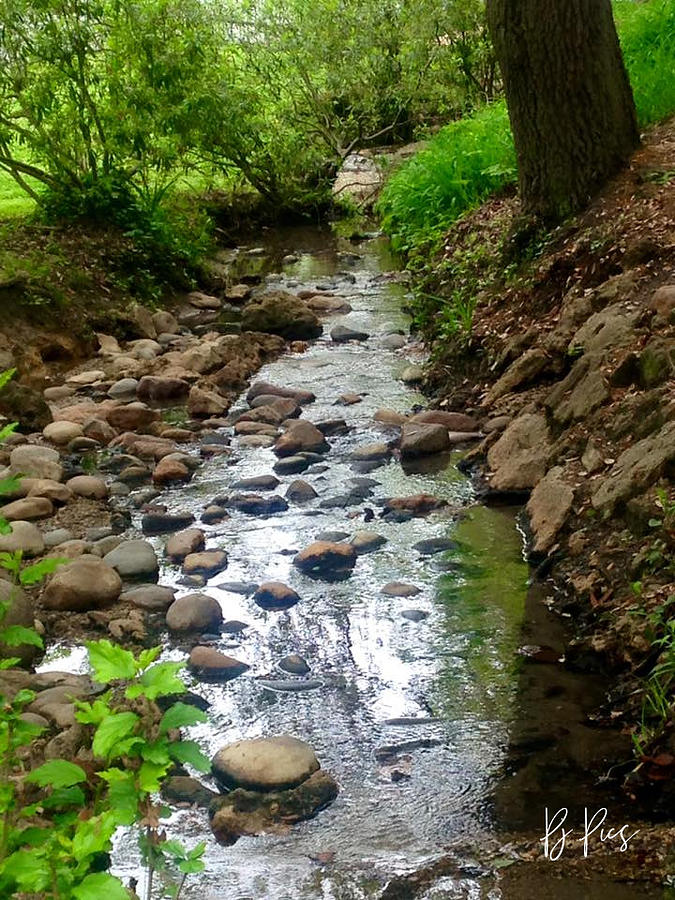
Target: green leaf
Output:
{"points": [[58, 773], [158, 681], [110, 662], [156, 751], [27, 870], [655, 523], [174, 849], [146, 657], [6, 376], [36, 573], [122, 793], [93, 835], [64, 797], [150, 776], [6, 430], [181, 715], [8, 485], [99, 885], [114, 736], [92, 713], [16, 635], [191, 866], [189, 752]]}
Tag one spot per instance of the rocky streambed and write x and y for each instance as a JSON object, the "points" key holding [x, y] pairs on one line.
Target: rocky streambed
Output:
{"points": [[307, 544]]}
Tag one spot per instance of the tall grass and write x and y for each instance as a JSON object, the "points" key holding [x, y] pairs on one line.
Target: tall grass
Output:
{"points": [[13, 201], [474, 157], [647, 33], [465, 163]]}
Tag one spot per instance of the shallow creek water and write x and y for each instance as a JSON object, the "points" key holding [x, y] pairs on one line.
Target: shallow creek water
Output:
{"points": [[374, 671]]}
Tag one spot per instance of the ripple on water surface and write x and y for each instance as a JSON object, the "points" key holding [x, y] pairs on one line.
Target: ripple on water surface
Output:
{"points": [[410, 716]]}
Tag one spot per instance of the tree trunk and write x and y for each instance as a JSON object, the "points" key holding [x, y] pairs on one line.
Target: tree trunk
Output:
{"points": [[569, 98]]}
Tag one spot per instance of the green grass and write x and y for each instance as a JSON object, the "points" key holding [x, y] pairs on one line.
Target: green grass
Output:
{"points": [[647, 32], [474, 157], [13, 201]]}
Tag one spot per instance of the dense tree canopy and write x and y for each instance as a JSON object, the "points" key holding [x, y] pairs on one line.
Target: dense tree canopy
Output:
{"points": [[106, 97]]}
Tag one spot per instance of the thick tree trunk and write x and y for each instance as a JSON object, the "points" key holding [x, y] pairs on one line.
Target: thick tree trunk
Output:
{"points": [[570, 101]]}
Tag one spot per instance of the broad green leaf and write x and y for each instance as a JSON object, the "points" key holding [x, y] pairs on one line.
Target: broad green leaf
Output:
{"points": [[27, 870], [156, 751], [189, 752], [16, 635], [92, 713], [122, 793], [113, 735], [158, 681], [93, 836], [9, 663], [146, 657], [57, 773], [6, 430], [64, 797], [37, 572], [150, 776], [100, 886], [174, 849], [191, 866], [110, 662], [181, 715]]}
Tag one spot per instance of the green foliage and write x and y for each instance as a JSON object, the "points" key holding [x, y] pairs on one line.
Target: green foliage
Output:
{"points": [[49, 846], [466, 162], [473, 158], [647, 33]]}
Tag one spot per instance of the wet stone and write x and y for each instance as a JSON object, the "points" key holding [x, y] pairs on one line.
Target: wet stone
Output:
{"points": [[194, 612], [207, 563], [254, 504], [367, 542], [275, 596], [332, 536], [232, 626], [150, 597], [327, 561], [245, 588], [163, 523], [214, 514], [300, 491], [210, 664], [414, 615], [400, 589], [434, 545], [294, 665], [257, 483]]}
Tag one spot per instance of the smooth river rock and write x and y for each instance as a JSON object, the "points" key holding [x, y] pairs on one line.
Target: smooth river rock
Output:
{"points": [[326, 560], [86, 583], [194, 612], [265, 764]]}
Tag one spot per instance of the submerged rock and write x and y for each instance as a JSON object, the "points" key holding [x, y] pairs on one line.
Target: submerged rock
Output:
{"points": [[275, 596], [243, 812], [326, 560], [210, 664]]}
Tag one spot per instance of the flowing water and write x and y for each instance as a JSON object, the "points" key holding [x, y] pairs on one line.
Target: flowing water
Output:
{"points": [[437, 692]]}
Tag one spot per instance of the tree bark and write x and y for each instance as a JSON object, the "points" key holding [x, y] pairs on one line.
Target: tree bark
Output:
{"points": [[569, 98]]}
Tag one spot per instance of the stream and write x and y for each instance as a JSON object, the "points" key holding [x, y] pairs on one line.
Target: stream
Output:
{"points": [[409, 702]]}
